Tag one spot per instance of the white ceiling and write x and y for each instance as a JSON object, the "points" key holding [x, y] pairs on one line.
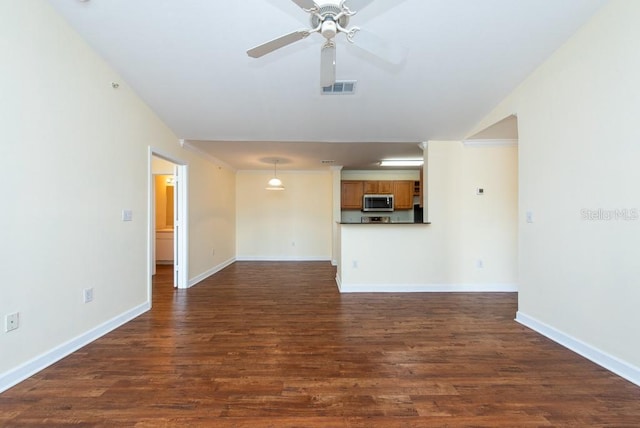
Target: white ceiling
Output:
{"points": [[187, 59]]}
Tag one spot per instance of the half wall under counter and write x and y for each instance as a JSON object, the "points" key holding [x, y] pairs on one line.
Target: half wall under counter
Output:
{"points": [[410, 257]]}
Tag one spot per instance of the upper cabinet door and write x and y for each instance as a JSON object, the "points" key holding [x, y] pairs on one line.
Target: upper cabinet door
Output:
{"points": [[385, 187], [370, 187], [351, 193], [403, 194]]}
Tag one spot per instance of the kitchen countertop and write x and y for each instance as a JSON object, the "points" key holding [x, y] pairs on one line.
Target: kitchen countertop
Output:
{"points": [[383, 224]]}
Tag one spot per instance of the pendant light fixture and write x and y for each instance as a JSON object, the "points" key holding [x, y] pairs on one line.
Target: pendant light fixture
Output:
{"points": [[275, 183]]}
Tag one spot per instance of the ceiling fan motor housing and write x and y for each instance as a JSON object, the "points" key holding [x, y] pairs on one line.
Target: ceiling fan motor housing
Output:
{"points": [[328, 12]]}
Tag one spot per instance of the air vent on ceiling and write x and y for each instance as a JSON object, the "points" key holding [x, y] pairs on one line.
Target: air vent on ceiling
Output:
{"points": [[341, 87]]}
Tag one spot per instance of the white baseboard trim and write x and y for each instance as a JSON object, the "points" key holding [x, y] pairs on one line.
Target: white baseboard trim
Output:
{"points": [[28, 369], [609, 362], [204, 275], [339, 282], [282, 259], [427, 288]]}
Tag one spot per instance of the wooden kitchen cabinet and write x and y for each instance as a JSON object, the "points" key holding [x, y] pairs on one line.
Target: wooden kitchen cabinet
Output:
{"points": [[370, 187], [403, 194], [385, 187], [351, 193], [421, 193], [381, 187]]}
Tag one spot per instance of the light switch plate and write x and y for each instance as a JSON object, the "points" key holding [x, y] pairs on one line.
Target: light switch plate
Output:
{"points": [[127, 215], [87, 295]]}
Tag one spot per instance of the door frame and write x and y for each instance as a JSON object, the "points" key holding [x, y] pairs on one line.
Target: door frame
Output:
{"points": [[181, 216]]}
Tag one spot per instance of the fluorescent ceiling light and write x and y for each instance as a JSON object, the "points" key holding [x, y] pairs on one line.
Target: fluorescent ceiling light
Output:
{"points": [[401, 162]]}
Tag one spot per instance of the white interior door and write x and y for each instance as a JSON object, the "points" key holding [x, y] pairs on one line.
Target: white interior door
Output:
{"points": [[180, 236]]}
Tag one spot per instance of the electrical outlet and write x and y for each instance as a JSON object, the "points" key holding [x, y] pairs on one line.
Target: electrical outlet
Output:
{"points": [[12, 321], [479, 264], [87, 295], [127, 215]]}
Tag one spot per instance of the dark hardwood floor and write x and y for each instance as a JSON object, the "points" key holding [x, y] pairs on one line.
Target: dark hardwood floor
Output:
{"points": [[275, 344]]}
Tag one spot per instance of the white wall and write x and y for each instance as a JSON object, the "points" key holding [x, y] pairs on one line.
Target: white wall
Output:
{"points": [[395, 174], [76, 153], [579, 150], [294, 224], [464, 229]]}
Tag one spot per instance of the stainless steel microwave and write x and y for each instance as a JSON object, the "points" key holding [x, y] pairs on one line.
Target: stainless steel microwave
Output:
{"points": [[377, 203]]}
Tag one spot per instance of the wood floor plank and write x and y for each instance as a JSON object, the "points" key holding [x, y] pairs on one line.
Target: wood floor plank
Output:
{"points": [[275, 344]]}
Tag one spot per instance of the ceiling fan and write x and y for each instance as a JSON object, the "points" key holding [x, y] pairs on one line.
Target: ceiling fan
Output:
{"points": [[330, 18]]}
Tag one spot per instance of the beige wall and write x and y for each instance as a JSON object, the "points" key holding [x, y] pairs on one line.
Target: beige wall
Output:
{"points": [[76, 152], [212, 218], [475, 229], [579, 150], [294, 224]]}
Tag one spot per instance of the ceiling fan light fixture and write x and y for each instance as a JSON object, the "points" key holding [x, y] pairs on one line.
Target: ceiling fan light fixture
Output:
{"points": [[401, 162], [329, 29]]}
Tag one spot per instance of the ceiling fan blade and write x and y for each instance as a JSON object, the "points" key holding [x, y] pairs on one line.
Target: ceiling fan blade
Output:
{"points": [[278, 43], [328, 65], [374, 44], [357, 5], [305, 4]]}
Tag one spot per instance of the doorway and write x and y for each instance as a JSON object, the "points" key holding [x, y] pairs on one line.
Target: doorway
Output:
{"points": [[164, 186], [168, 228]]}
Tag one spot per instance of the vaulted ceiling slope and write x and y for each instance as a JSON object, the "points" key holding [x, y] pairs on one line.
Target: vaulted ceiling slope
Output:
{"points": [[187, 59]]}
